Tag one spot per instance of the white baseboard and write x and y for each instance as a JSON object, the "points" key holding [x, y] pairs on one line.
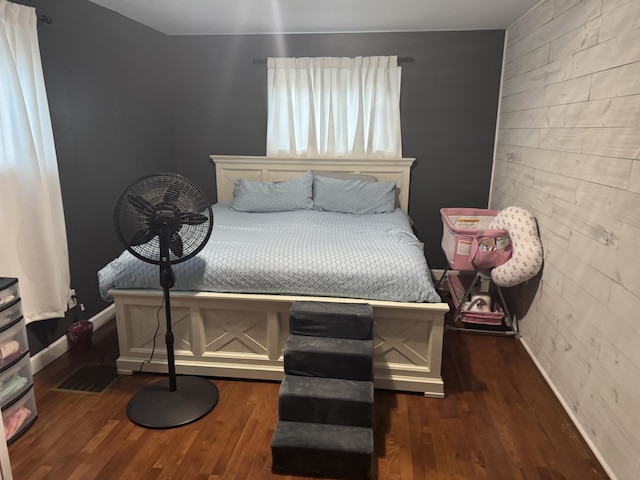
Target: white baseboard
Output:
{"points": [[569, 411], [60, 346]]}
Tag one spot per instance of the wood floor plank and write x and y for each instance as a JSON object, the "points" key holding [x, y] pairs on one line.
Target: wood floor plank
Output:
{"points": [[499, 420]]}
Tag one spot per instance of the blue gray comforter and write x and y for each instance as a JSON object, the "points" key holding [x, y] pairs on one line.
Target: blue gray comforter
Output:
{"points": [[302, 252]]}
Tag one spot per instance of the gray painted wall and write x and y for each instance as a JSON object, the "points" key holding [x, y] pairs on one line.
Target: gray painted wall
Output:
{"points": [[126, 100]]}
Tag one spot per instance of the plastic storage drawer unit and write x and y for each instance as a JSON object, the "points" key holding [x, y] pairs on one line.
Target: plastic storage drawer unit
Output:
{"points": [[17, 398]]}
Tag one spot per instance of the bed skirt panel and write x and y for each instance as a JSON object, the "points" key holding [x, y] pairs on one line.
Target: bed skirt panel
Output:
{"points": [[243, 336]]}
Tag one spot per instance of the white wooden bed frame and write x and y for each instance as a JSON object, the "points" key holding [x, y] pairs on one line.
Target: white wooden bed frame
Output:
{"points": [[243, 335]]}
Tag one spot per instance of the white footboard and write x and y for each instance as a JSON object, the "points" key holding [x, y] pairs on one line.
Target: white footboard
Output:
{"points": [[243, 336]]}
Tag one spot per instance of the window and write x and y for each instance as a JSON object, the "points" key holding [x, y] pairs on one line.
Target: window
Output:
{"points": [[338, 107]]}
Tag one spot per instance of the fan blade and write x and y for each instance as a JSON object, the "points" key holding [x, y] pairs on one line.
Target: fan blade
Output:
{"points": [[141, 237], [140, 204], [189, 218], [175, 244], [172, 194]]}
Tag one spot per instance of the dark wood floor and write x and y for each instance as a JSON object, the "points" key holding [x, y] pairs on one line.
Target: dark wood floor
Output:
{"points": [[499, 420]]}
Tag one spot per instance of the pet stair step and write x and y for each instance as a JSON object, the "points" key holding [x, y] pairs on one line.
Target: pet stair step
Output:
{"points": [[337, 320], [326, 400], [316, 449], [329, 357]]}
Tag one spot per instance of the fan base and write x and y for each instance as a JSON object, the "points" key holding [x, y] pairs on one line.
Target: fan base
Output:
{"points": [[156, 406]]}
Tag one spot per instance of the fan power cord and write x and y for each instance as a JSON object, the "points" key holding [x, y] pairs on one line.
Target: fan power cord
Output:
{"points": [[155, 334]]}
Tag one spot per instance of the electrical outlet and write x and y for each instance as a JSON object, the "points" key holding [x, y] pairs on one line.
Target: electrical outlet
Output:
{"points": [[73, 300]]}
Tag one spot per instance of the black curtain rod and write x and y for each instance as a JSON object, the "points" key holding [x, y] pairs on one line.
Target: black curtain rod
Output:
{"points": [[44, 18], [262, 61]]}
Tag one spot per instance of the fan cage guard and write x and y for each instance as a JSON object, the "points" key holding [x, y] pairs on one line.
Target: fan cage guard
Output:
{"points": [[164, 191]]}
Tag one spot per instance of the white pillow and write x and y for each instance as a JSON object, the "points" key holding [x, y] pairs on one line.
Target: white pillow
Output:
{"points": [[353, 196], [250, 196]]}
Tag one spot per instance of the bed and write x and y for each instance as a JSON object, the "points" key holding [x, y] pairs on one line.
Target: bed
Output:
{"points": [[240, 332]]}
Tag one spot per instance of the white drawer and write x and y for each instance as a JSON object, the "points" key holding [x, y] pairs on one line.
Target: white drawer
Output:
{"points": [[19, 415], [13, 342], [15, 380], [11, 312], [9, 291]]}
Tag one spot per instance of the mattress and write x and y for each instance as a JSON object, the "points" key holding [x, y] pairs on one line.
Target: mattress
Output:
{"points": [[300, 252]]}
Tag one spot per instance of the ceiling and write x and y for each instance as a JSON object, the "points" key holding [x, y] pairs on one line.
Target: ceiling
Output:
{"points": [[222, 17]]}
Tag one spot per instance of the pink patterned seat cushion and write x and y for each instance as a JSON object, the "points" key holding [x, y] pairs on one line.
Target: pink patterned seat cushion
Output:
{"points": [[526, 260]]}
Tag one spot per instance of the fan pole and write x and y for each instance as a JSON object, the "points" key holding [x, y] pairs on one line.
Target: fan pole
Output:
{"points": [[167, 281], [169, 335]]}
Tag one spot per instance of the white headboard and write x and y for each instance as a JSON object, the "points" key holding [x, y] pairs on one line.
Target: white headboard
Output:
{"points": [[277, 169]]}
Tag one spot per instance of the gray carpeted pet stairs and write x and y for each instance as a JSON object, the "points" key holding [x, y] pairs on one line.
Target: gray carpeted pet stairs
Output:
{"points": [[326, 397]]}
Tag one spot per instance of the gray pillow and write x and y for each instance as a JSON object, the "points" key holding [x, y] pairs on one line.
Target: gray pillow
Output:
{"points": [[344, 175], [250, 196], [353, 196]]}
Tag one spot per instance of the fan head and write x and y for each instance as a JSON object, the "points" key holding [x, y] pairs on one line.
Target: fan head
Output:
{"points": [[168, 205]]}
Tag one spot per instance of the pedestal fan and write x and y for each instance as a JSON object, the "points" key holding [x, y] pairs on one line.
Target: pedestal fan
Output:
{"points": [[164, 219]]}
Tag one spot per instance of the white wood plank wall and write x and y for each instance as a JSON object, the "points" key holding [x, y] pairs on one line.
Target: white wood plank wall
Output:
{"points": [[568, 150]]}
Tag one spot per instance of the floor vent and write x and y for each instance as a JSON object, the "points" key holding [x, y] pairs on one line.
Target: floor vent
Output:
{"points": [[93, 379]]}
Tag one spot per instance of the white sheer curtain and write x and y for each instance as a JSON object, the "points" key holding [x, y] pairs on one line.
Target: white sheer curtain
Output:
{"points": [[33, 241], [330, 106]]}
